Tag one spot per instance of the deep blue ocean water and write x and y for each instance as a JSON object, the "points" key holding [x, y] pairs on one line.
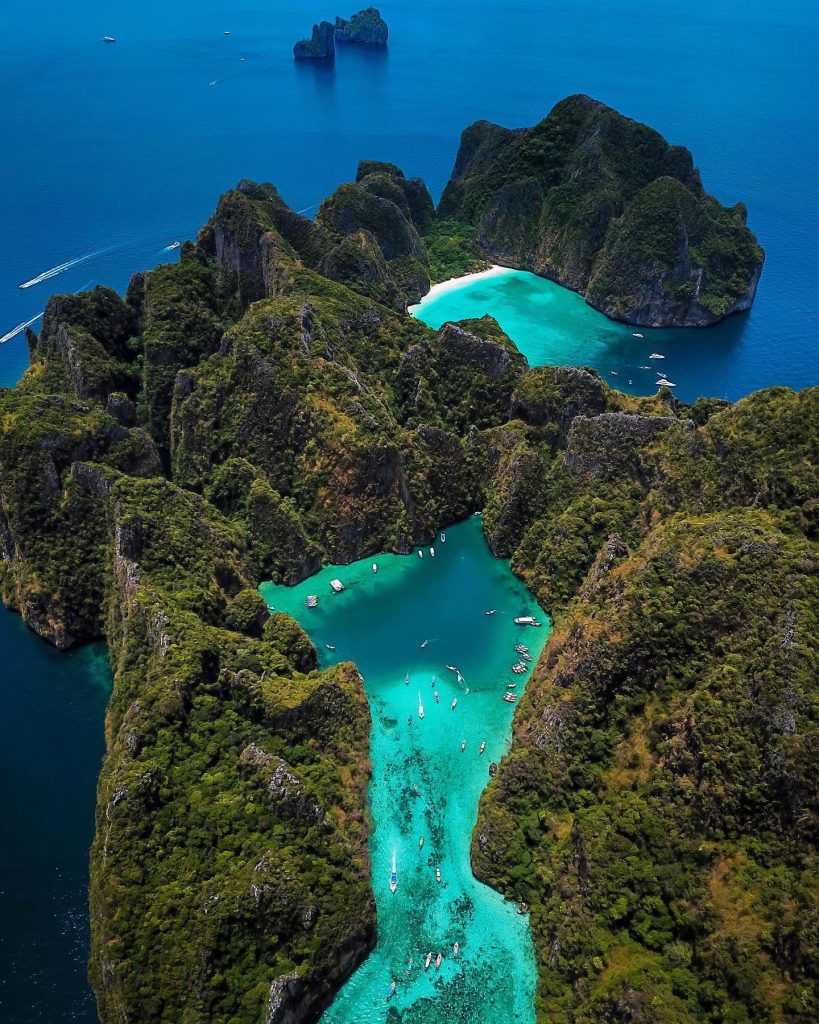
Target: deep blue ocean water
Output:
{"points": [[120, 150]]}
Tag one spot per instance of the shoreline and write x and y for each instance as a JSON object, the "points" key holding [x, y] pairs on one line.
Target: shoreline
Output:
{"points": [[452, 284]]}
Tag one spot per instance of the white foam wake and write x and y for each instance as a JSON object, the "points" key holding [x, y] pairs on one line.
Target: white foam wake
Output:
{"points": [[54, 271], [20, 327]]}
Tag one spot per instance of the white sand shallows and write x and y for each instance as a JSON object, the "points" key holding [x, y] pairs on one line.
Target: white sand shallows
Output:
{"points": [[454, 283]]}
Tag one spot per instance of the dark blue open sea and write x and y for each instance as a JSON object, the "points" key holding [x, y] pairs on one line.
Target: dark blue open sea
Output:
{"points": [[110, 153]]}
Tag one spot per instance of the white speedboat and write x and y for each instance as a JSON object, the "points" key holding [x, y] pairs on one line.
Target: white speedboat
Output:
{"points": [[394, 873], [454, 703], [337, 585], [656, 355], [432, 552], [666, 383], [636, 335], [463, 745], [443, 538], [108, 39], [420, 553], [428, 960], [420, 706], [375, 567]]}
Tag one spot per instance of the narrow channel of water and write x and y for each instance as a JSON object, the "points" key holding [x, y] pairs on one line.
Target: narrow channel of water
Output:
{"points": [[380, 621]]}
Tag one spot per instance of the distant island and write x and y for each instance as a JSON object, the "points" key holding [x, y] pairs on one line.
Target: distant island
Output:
{"points": [[265, 406], [366, 28]]}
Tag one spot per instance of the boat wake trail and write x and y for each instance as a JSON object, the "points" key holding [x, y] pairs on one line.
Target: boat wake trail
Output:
{"points": [[20, 327], [61, 267]]}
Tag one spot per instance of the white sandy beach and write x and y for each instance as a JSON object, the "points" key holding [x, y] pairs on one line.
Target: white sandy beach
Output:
{"points": [[454, 283]]}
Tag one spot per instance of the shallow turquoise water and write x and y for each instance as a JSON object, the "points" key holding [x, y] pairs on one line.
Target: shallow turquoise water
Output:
{"points": [[380, 621], [554, 326]]}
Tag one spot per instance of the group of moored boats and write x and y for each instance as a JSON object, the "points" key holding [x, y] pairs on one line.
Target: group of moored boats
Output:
{"points": [[429, 960]]}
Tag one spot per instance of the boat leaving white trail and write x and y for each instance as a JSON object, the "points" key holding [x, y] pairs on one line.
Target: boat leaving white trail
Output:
{"points": [[20, 327], [420, 706], [394, 872], [61, 267]]}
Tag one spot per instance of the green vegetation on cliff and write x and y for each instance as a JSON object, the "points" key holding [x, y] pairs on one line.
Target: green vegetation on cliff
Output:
{"points": [[604, 205], [267, 405]]}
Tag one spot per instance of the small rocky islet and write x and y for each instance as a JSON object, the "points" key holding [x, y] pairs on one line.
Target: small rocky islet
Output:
{"points": [[366, 28], [266, 406]]}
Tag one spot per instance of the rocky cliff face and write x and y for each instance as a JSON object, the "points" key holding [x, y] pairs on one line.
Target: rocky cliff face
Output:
{"points": [[320, 46], [367, 28], [245, 414], [605, 206]]}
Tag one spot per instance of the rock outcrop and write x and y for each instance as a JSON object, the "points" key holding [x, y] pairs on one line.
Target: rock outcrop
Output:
{"points": [[320, 46], [603, 205], [366, 28]]}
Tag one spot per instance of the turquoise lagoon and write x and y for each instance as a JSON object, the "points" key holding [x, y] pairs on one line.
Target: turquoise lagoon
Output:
{"points": [[380, 621], [554, 326]]}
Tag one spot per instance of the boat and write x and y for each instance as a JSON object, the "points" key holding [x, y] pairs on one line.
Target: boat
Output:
{"points": [[375, 567], [526, 657], [510, 698], [421, 843], [406, 679], [409, 719], [665, 384], [523, 908], [311, 600], [425, 644], [391, 991], [438, 878], [394, 872], [438, 960], [415, 789], [454, 703], [329, 647], [521, 648], [493, 768], [435, 694], [491, 611], [483, 747], [656, 355], [443, 538], [432, 552], [466, 690], [455, 949], [614, 373], [451, 668], [410, 962], [420, 706], [463, 745], [511, 686], [226, 33], [525, 620], [420, 553], [108, 39], [428, 960], [635, 335], [242, 58], [174, 245], [337, 585]]}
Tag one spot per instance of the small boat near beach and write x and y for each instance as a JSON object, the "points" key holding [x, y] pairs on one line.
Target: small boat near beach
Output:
{"points": [[420, 709], [635, 335], [394, 872], [665, 383], [443, 538], [438, 877], [410, 962], [526, 620], [454, 703], [511, 686], [391, 991], [375, 567], [452, 669], [455, 949], [420, 553], [438, 960], [432, 552], [493, 769], [510, 698], [428, 960], [435, 695], [483, 747], [421, 843], [311, 600], [329, 647], [337, 585]]}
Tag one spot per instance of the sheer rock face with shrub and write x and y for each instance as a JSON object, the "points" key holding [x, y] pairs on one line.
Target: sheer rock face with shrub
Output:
{"points": [[242, 415], [605, 206]]}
